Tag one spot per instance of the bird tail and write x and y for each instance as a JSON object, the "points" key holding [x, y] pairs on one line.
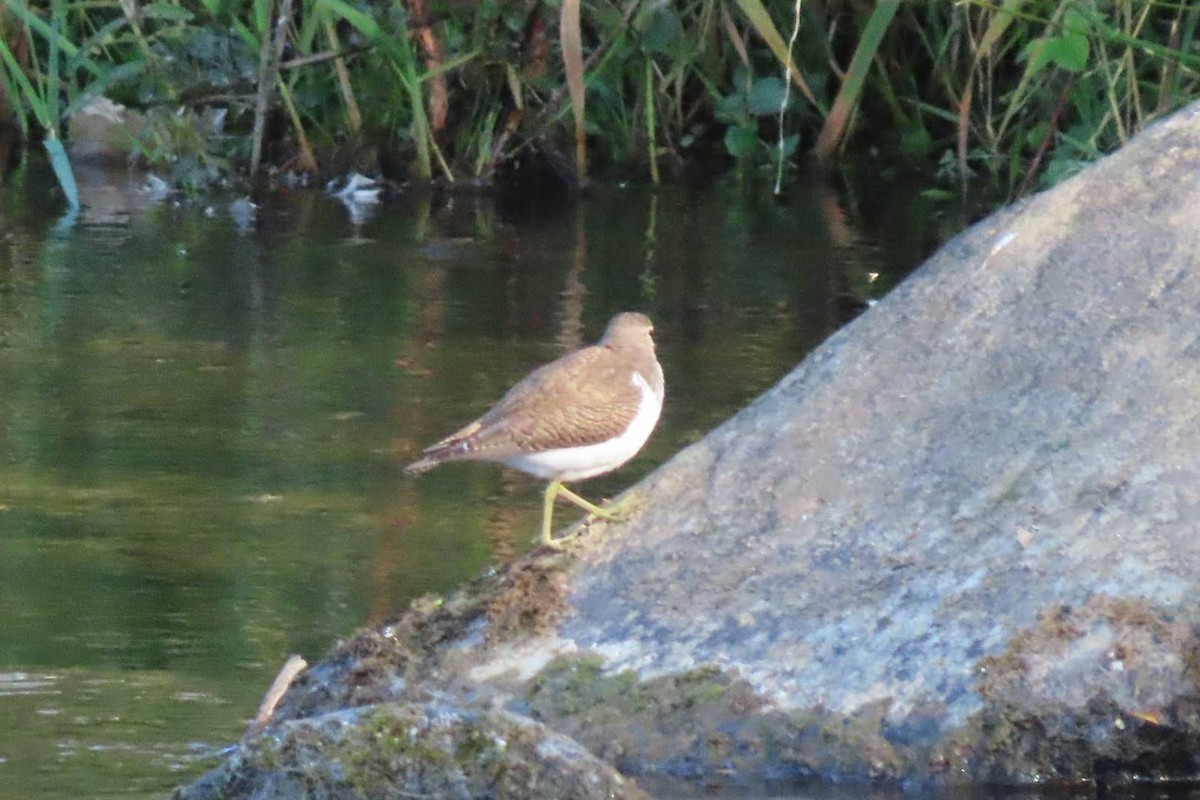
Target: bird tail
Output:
{"points": [[423, 464], [440, 453], [456, 445]]}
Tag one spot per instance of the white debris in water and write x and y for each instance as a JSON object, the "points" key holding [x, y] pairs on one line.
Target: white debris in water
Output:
{"points": [[358, 190], [243, 212], [156, 187]]}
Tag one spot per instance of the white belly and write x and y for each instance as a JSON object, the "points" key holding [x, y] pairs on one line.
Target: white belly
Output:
{"points": [[577, 463]]}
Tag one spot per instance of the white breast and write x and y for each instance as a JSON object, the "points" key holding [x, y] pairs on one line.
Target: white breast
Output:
{"points": [[577, 463]]}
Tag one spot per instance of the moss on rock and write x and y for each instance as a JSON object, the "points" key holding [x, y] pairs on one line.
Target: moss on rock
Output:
{"points": [[1103, 692], [398, 750]]}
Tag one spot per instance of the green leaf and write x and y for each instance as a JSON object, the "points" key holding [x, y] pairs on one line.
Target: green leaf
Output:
{"points": [[765, 96], [659, 28], [1069, 51], [1034, 54], [730, 108], [741, 140], [606, 17], [1077, 22], [916, 140], [1036, 133], [1062, 166], [516, 18], [761, 20]]}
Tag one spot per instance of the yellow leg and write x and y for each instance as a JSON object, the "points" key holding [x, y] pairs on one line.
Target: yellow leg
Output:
{"points": [[593, 509], [555, 489], [548, 512]]}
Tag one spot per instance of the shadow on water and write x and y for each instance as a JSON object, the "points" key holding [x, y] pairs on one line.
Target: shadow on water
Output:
{"points": [[10, 142], [205, 412]]}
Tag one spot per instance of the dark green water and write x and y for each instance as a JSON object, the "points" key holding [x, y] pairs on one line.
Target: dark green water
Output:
{"points": [[202, 423]]}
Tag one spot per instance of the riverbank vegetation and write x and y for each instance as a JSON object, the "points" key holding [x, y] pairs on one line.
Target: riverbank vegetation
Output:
{"points": [[1019, 93]]}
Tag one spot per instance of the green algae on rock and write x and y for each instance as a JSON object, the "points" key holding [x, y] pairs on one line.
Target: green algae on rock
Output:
{"points": [[396, 750]]}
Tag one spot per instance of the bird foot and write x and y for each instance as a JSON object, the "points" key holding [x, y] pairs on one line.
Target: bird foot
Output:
{"points": [[621, 510], [557, 542], [618, 511]]}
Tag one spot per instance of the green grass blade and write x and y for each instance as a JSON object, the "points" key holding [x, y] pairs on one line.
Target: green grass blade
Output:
{"points": [[62, 170], [1108, 32], [100, 86], [447, 66], [32, 97], [10, 90], [860, 65], [361, 22], [261, 17], [103, 35], [244, 33], [57, 18], [39, 26]]}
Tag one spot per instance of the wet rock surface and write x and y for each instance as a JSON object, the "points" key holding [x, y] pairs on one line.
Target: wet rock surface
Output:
{"points": [[397, 750], [957, 543]]}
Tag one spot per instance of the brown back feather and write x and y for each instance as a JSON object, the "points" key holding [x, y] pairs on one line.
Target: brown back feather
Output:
{"points": [[533, 416]]}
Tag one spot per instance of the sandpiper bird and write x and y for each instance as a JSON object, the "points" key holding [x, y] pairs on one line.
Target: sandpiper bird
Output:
{"points": [[580, 416]]}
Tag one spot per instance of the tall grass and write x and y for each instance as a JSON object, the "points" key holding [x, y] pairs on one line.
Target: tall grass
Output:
{"points": [[1018, 92]]}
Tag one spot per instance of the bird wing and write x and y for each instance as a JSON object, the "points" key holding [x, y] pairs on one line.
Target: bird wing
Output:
{"points": [[579, 400]]}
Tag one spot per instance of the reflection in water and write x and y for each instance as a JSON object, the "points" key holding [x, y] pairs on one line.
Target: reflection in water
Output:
{"points": [[574, 293], [203, 422], [10, 139], [506, 526]]}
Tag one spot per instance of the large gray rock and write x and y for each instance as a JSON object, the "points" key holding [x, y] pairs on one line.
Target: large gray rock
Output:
{"points": [[959, 541]]}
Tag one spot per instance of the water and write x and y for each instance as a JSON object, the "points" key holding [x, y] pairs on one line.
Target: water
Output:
{"points": [[203, 419]]}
